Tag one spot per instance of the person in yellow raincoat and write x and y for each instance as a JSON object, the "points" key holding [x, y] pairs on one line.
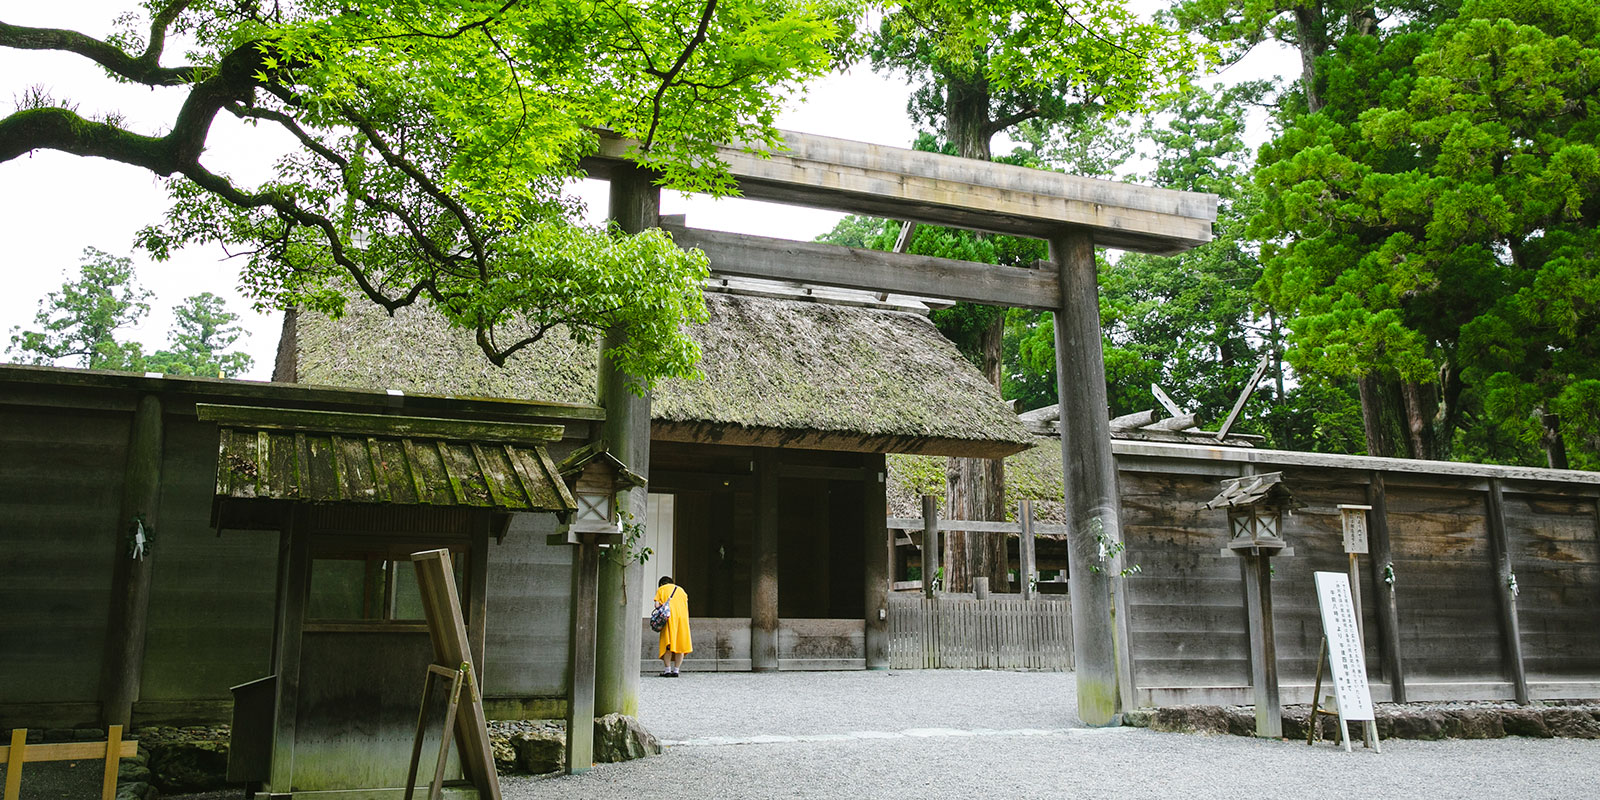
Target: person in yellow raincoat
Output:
{"points": [[675, 636]]}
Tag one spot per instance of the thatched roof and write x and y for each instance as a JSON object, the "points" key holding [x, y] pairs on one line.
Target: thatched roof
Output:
{"points": [[778, 372]]}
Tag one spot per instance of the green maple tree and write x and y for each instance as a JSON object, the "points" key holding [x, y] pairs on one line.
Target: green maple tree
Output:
{"points": [[433, 139]]}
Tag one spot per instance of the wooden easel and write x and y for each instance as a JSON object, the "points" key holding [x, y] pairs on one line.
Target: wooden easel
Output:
{"points": [[459, 678], [113, 750], [465, 723], [1369, 731]]}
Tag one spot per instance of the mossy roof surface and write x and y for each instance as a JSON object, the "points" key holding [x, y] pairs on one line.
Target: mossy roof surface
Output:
{"points": [[768, 363]]}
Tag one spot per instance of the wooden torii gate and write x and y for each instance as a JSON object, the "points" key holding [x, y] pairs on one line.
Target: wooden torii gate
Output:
{"points": [[1073, 214]]}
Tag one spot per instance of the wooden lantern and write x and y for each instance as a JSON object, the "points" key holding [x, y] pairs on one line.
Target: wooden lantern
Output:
{"points": [[1256, 505]]}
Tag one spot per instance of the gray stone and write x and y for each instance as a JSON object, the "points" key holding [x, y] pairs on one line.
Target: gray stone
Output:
{"points": [[1525, 722], [618, 737], [188, 766], [132, 773], [136, 791], [1419, 725], [539, 752], [1241, 720], [1571, 723], [1472, 723], [1190, 719], [1138, 717]]}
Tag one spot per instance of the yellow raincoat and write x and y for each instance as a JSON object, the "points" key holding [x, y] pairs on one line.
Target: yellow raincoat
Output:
{"points": [[675, 636]]}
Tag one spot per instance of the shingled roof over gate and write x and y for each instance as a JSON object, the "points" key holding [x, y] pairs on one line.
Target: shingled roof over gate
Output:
{"points": [[778, 373]]}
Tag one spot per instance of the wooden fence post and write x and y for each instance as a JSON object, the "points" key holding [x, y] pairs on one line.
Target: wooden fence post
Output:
{"points": [[1263, 649], [130, 606], [1383, 580], [930, 544], [879, 551], [1026, 558], [764, 567], [582, 667], [1506, 580]]}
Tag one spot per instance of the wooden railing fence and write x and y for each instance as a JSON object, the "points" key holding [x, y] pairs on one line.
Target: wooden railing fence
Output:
{"points": [[961, 632]]}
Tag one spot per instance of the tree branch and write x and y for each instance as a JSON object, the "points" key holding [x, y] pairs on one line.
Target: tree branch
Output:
{"points": [[144, 69], [677, 67]]}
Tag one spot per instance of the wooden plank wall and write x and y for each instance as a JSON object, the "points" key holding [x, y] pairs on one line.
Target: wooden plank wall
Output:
{"points": [[954, 632], [1555, 555], [1187, 607], [1316, 534], [212, 603], [1445, 585], [60, 489], [527, 632]]}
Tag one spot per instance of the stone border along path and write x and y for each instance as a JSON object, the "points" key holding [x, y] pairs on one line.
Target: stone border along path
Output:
{"points": [[953, 735]]}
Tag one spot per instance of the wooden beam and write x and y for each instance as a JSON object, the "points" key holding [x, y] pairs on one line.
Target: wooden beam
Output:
{"points": [[930, 544], [1173, 423], [1257, 572], [1386, 608], [1137, 419], [1026, 560], [821, 473], [726, 434], [1505, 583], [976, 526], [581, 659], [876, 555], [934, 188], [764, 566], [295, 584], [870, 270], [69, 751], [130, 604], [1090, 481], [1577, 482], [297, 419]]}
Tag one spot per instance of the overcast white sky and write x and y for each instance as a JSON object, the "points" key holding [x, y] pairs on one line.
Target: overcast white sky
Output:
{"points": [[54, 205]]}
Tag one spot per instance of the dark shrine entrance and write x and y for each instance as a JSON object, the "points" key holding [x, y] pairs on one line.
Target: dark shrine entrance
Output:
{"points": [[710, 506]]}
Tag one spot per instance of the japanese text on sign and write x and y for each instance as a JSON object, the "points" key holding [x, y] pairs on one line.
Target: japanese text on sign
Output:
{"points": [[1344, 646], [1354, 521]]}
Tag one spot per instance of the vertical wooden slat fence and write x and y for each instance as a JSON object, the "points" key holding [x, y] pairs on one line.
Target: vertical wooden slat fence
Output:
{"points": [[959, 632]]}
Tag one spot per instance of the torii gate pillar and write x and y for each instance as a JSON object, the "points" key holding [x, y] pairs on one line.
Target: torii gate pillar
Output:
{"points": [[1094, 522], [635, 207]]}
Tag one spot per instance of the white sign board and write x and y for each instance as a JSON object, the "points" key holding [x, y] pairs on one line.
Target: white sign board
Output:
{"points": [[1344, 646], [1354, 521]]}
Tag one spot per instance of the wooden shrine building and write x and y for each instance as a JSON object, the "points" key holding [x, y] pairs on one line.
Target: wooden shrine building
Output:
{"points": [[765, 477]]}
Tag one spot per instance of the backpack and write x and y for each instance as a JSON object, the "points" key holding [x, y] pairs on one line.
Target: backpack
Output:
{"points": [[662, 612]]}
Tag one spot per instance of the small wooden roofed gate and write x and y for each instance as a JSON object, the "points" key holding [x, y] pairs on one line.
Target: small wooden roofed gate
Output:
{"points": [[272, 454], [337, 713], [1073, 214]]}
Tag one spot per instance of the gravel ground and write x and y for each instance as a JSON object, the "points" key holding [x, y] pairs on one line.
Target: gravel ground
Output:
{"points": [[949, 734]]}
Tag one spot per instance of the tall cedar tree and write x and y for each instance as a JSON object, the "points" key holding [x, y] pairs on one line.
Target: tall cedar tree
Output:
{"points": [[1433, 228]]}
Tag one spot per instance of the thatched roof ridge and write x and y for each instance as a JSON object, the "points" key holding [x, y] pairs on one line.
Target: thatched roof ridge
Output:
{"points": [[777, 372]]}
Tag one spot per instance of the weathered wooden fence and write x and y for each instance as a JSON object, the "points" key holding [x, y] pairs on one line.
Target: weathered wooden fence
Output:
{"points": [[960, 632]]}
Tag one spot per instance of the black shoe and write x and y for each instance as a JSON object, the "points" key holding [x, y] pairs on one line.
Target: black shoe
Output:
{"points": [[665, 674], [673, 675]]}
